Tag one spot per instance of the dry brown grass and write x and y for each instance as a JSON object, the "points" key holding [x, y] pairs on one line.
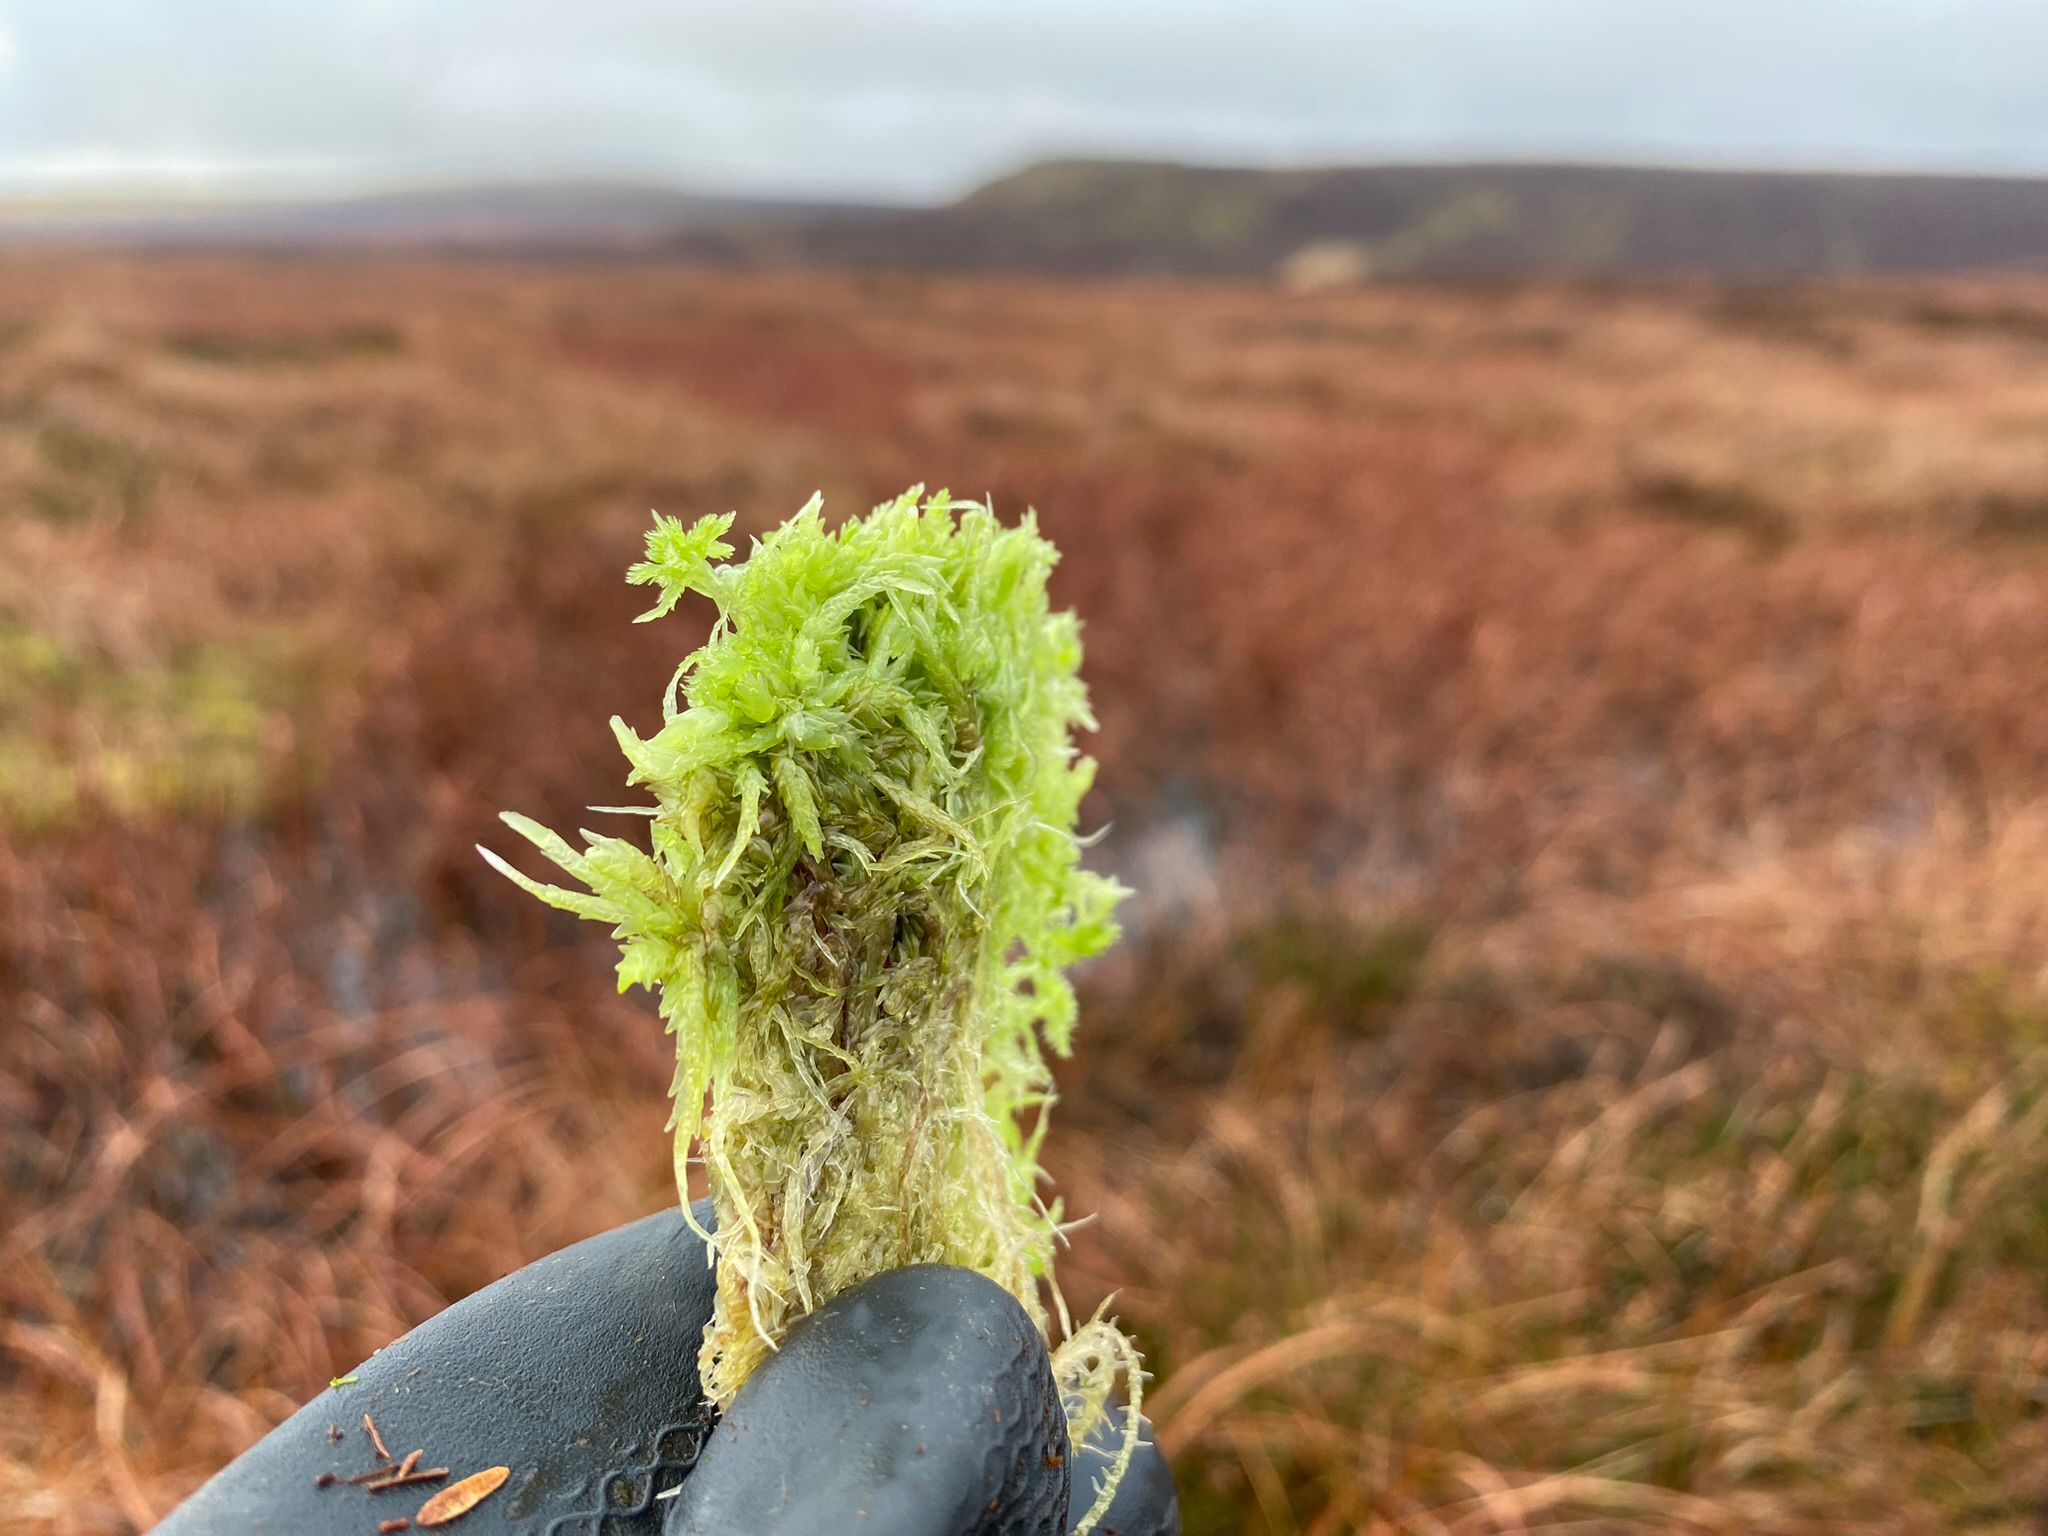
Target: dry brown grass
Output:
{"points": [[1582, 1057]]}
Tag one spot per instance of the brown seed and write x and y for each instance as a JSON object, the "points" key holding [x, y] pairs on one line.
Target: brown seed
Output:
{"points": [[375, 1439], [458, 1499], [325, 1479]]}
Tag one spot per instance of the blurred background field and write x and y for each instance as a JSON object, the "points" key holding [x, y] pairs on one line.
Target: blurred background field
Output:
{"points": [[1579, 1059]]}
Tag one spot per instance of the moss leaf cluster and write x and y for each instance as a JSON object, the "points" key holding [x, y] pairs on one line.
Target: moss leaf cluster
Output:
{"points": [[861, 895]]}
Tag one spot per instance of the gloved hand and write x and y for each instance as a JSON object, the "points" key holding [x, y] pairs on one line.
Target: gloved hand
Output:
{"points": [[918, 1404]]}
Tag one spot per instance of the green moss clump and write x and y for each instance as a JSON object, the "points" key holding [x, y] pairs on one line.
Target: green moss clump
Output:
{"points": [[863, 890]]}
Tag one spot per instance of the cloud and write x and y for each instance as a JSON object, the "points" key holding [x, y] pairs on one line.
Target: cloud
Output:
{"points": [[918, 98]]}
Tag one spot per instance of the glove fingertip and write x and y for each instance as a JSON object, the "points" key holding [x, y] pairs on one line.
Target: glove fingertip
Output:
{"points": [[920, 1403]]}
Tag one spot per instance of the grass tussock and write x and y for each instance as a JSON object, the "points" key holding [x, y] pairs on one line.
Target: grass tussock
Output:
{"points": [[1581, 1062], [1560, 1252]]}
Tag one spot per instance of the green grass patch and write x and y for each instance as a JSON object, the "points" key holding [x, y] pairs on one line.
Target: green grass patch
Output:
{"points": [[196, 731], [358, 339], [87, 475], [1720, 506]]}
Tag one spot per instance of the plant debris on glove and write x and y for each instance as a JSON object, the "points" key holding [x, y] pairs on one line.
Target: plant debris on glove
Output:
{"points": [[863, 890]]}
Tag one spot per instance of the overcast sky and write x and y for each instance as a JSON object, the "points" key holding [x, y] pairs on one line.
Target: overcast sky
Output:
{"points": [[918, 99]]}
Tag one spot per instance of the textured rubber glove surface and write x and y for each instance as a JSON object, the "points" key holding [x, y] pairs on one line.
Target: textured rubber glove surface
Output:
{"points": [[577, 1372], [919, 1404], [1145, 1503]]}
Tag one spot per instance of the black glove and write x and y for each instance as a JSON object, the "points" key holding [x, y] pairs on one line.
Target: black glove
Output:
{"points": [[918, 1404]]}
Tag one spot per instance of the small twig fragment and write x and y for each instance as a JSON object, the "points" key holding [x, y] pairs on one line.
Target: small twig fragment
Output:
{"points": [[404, 1475], [393, 1476], [389, 1526], [375, 1439]]}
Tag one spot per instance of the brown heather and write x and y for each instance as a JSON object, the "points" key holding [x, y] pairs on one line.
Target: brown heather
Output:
{"points": [[1581, 1059]]}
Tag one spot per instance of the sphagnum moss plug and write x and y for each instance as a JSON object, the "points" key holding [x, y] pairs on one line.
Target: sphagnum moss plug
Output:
{"points": [[862, 893]]}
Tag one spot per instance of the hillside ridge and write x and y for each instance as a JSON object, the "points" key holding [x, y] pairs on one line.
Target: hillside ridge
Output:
{"points": [[1097, 218]]}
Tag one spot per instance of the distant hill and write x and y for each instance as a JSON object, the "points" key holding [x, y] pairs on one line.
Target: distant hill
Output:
{"points": [[1107, 217], [617, 217], [1102, 218]]}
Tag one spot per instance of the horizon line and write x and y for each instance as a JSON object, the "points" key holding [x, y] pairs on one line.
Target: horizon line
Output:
{"points": [[173, 190]]}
